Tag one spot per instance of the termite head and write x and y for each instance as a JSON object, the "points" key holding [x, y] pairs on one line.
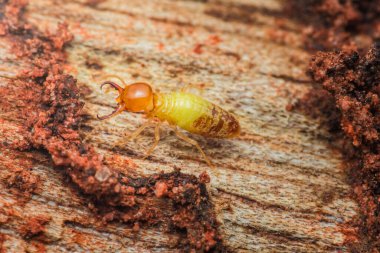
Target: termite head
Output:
{"points": [[136, 97]]}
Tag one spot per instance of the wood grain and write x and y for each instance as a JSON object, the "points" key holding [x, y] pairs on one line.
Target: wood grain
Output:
{"points": [[280, 187]]}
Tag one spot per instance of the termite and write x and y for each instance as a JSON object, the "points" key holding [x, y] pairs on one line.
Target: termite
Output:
{"points": [[180, 108]]}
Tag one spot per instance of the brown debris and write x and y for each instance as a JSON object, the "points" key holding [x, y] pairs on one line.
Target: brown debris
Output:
{"points": [[198, 48], [35, 226], [3, 218], [93, 63], [94, 3], [354, 82], [39, 247], [333, 23], [2, 240], [136, 227], [47, 101], [23, 180], [346, 96], [161, 189], [319, 104], [204, 177]]}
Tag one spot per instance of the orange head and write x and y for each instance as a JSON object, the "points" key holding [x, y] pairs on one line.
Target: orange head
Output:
{"points": [[136, 97]]}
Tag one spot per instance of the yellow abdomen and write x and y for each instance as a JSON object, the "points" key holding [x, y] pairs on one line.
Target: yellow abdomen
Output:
{"points": [[195, 114]]}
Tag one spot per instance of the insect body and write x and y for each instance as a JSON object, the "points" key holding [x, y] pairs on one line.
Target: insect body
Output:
{"points": [[185, 110], [195, 115]]}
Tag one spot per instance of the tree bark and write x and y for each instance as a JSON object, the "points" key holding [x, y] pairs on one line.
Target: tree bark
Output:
{"points": [[279, 187]]}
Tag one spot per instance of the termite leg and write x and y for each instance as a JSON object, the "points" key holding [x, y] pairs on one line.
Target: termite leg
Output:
{"points": [[139, 130], [194, 143], [156, 140], [133, 135]]}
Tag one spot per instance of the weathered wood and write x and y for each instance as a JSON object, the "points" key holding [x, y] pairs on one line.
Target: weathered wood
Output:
{"points": [[279, 187]]}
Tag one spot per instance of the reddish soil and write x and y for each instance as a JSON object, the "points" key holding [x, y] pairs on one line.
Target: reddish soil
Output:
{"points": [[2, 239], [23, 180], [346, 95], [47, 103], [354, 83], [35, 226], [335, 23]]}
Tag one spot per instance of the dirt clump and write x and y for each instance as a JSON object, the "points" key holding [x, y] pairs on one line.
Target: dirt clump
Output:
{"points": [[354, 83], [34, 226], [345, 95], [23, 180], [330, 24]]}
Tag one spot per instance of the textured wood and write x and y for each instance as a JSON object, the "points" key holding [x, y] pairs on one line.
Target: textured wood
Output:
{"points": [[279, 187]]}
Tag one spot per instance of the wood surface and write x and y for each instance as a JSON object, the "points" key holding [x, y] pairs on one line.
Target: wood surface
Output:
{"points": [[279, 187]]}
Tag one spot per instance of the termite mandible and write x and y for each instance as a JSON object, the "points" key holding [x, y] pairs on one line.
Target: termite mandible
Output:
{"points": [[180, 108]]}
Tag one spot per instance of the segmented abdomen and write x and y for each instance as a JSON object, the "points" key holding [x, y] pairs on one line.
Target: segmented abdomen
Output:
{"points": [[217, 123], [196, 115]]}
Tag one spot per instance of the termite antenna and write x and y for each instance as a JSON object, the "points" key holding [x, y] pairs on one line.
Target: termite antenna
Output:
{"points": [[118, 110]]}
